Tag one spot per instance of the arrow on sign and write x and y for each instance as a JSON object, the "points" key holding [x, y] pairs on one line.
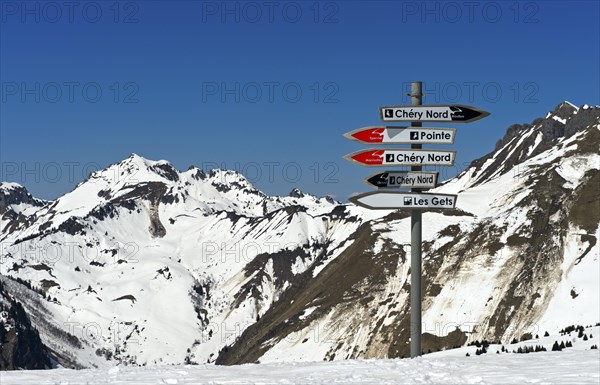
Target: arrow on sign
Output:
{"points": [[402, 157], [403, 135], [406, 179], [433, 113], [390, 200]]}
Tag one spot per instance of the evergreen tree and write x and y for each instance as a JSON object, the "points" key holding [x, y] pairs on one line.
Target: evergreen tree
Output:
{"points": [[546, 334], [2, 332], [555, 347]]}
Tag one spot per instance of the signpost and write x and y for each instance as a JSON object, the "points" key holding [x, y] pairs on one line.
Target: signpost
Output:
{"points": [[433, 113], [415, 179], [386, 200], [402, 157], [403, 179], [402, 135]]}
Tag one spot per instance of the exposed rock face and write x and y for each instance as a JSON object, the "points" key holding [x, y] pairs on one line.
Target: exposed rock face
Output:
{"points": [[16, 205], [525, 141], [20, 344], [13, 195], [184, 267]]}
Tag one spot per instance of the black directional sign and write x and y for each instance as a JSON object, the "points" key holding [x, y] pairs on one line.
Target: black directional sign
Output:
{"points": [[403, 179], [432, 113]]}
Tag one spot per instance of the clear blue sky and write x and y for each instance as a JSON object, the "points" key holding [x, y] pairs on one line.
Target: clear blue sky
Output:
{"points": [[211, 83]]}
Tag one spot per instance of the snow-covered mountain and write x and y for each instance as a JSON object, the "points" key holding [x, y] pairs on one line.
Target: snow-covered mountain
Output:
{"points": [[144, 264]]}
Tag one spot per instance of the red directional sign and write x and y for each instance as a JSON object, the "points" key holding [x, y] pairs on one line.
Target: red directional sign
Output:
{"points": [[402, 135], [402, 157]]}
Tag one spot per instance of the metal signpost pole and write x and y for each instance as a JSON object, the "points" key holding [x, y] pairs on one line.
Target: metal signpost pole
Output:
{"points": [[415, 245]]}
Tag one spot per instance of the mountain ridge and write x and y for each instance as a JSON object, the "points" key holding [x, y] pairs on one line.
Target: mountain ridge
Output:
{"points": [[264, 279]]}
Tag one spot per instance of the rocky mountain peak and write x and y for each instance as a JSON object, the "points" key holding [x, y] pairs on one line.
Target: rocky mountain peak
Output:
{"points": [[295, 193], [565, 110], [15, 194], [527, 140]]}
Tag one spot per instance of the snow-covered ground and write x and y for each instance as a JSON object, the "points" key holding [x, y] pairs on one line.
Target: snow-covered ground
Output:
{"points": [[566, 367], [574, 365]]}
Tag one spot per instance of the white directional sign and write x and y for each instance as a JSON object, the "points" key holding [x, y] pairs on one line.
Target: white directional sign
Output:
{"points": [[389, 200], [402, 157], [403, 135], [403, 179], [432, 113]]}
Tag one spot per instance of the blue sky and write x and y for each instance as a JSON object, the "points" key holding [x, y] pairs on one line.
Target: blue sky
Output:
{"points": [[268, 88]]}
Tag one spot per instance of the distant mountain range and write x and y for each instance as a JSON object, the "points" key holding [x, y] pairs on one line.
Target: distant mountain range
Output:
{"points": [[144, 264]]}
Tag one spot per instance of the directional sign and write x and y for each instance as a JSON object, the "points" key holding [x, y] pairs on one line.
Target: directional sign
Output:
{"points": [[402, 157], [403, 135], [432, 113], [406, 179], [389, 200]]}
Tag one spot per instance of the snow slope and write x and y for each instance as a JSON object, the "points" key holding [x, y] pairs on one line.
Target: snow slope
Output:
{"points": [[574, 367]]}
